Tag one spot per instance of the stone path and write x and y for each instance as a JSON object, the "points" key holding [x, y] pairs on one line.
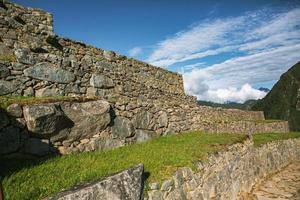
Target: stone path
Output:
{"points": [[281, 186]]}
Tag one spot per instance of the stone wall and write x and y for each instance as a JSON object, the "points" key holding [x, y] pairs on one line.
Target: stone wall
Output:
{"points": [[230, 174], [144, 101]]}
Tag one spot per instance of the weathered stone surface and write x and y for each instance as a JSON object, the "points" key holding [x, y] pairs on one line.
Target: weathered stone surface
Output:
{"points": [[4, 71], [24, 56], [38, 147], [142, 120], [9, 140], [103, 144], [122, 127], [233, 173], [28, 92], [89, 118], [6, 87], [45, 120], [144, 135], [126, 185], [163, 119], [101, 81], [48, 72], [15, 110], [48, 92]]}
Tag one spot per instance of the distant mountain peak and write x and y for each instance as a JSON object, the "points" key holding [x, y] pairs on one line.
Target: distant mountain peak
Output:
{"points": [[263, 89]]}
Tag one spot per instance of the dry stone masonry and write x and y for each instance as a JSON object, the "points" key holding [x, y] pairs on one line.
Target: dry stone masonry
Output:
{"points": [[138, 101], [229, 175]]}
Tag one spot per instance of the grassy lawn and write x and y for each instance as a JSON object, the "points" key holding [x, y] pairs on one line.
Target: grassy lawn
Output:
{"points": [[161, 157], [5, 101], [263, 138]]}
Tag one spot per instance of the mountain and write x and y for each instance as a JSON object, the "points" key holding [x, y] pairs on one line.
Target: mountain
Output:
{"points": [[283, 101], [264, 89], [244, 106]]}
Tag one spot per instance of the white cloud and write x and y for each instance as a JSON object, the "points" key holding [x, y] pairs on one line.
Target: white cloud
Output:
{"points": [[135, 51], [232, 94], [261, 46]]}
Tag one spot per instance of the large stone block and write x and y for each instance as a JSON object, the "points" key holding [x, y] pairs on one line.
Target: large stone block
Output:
{"points": [[101, 81], [122, 128], [126, 185], [144, 135], [7, 87], [48, 72], [45, 120], [142, 120], [89, 118], [24, 56]]}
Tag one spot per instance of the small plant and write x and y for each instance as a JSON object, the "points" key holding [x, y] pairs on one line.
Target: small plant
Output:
{"points": [[8, 58]]}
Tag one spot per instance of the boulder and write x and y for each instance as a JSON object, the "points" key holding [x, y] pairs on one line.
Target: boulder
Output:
{"points": [[101, 81], [48, 92], [15, 110], [37, 147], [122, 128], [89, 118], [125, 185], [45, 120], [48, 72], [162, 119], [4, 71], [103, 144], [144, 135], [24, 56], [7, 87], [142, 120], [10, 140]]}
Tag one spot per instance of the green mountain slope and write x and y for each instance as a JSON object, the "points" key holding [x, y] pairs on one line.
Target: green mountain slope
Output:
{"points": [[283, 101]]}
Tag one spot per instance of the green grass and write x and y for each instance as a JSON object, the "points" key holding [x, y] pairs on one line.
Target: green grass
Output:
{"points": [[161, 158], [5, 101], [263, 138]]}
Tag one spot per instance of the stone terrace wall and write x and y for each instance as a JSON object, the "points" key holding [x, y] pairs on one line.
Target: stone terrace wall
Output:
{"points": [[230, 174], [145, 101]]}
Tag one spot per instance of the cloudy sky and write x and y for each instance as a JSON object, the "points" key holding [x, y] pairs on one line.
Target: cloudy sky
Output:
{"points": [[224, 49]]}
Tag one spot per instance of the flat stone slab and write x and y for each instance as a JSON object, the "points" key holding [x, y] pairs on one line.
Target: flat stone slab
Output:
{"points": [[126, 185], [48, 72], [283, 185]]}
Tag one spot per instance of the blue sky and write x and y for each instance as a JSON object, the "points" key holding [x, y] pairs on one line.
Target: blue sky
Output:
{"points": [[224, 49]]}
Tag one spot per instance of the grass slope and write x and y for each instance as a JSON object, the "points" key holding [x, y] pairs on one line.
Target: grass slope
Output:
{"points": [[263, 138], [161, 158], [281, 101]]}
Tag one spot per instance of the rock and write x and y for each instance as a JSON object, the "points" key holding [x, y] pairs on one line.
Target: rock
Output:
{"points": [[103, 144], [24, 56], [176, 194], [4, 71], [109, 55], [89, 118], [122, 128], [4, 121], [125, 185], [86, 61], [144, 135], [142, 120], [45, 120], [155, 195], [154, 186], [35, 146], [92, 92], [101, 81], [48, 72], [7, 87], [48, 92], [28, 92], [15, 110], [162, 119], [167, 185], [10, 140]]}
